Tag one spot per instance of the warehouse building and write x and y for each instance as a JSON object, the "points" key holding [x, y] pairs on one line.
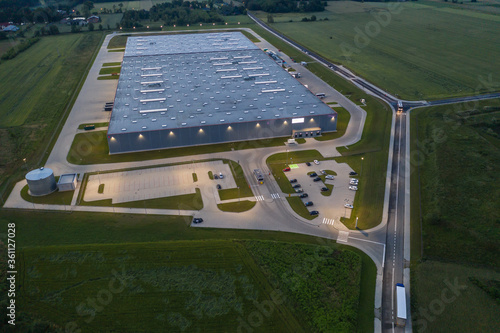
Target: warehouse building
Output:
{"points": [[194, 89]]}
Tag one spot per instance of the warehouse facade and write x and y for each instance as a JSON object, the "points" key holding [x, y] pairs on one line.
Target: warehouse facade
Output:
{"points": [[194, 89]]}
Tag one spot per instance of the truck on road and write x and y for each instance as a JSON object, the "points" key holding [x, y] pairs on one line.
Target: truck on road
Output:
{"points": [[401, 305]]}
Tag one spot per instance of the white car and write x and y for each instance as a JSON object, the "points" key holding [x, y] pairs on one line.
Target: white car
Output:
{"points": [[316, 162], [354, 182], [221, 176], [323, 172], [353, 188], [329, 177], [348, 206]]}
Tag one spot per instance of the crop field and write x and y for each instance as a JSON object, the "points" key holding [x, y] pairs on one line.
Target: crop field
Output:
{"points": [[454, 210], [439, 56], [209, 286]]}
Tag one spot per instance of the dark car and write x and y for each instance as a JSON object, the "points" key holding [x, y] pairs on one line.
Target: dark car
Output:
{"points": [[324, 189], [197, 220], [314, 174], [216, 176], [309, 203], [353, 173], [296, 186], [314, 212], [219, 187], [308, 163], [303, 195], [293, 180], [286, 169], [317, 179]]}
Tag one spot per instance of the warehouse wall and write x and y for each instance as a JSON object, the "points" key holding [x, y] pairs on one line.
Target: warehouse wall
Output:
{"points": [[191, 136]]}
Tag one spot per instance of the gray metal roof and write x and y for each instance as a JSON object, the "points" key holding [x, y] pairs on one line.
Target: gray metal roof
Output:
{"points": [[209, 88], [187, 43], [38, 174], [67, 178]]}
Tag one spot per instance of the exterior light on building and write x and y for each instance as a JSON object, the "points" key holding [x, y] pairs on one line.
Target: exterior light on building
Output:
{"points": [[171, 133], [201, 130], [312, 119], [113, 138], [229, 128], [285, 122], [258, 125], [141, 136]]}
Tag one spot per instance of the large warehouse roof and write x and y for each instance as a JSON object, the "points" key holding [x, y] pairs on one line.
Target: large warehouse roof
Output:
{"points": [[209, 87]]}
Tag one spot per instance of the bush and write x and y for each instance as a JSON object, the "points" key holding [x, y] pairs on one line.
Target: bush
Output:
{"points": [[14, 51]]}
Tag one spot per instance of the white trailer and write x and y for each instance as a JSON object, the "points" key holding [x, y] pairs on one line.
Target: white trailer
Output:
{"points": [[401, 305]]}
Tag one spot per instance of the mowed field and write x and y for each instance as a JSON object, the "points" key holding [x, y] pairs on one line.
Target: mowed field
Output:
{"points": [[194, 286], [455, 197], [421, 50]]}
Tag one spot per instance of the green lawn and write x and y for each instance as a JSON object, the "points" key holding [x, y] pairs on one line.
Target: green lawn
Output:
{"points": [[36, 89], [111, 64], [108, 77], [92, 148], [105, 124], [278, 162], [109, 70], [116, 50], [237, 207], [454, 200], [403, 46], [298, 207]]}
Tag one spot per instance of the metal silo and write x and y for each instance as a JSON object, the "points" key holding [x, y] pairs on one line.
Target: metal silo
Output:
{"points": [[41, 181]]}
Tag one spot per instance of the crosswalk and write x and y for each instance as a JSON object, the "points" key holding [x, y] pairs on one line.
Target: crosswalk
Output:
{"points": [[275, 195], [259, 198], [328, 221]]}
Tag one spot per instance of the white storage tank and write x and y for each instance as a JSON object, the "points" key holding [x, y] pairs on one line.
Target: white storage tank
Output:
{"points": [[41, 181]]}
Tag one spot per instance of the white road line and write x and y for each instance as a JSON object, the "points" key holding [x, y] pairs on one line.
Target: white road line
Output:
{"points": [[275, 195], [392, 293], [259, 197], [328, 221]]}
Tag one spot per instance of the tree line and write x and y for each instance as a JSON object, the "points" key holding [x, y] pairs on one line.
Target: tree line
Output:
{"points": [[286, 6]]}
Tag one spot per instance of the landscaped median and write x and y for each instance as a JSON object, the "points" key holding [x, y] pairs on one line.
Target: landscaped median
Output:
{"points": [[237, 206], [242, 189], [298, 207]]}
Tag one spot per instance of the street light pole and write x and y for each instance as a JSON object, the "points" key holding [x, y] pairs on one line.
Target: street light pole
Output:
{"points": [[362, 158]]}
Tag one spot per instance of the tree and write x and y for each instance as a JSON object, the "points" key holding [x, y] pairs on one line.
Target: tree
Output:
{"points": [[75, 28], [100, 27], [53, 30], [91, 26], [313, 18], [270, 18]]}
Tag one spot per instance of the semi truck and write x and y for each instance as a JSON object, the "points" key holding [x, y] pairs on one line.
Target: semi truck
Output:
{"points": [[401, 305]]}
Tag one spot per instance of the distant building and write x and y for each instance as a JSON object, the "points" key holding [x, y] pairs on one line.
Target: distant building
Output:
{"points": [[79, 21], [4, 25], [67, 182], [93, 19]]}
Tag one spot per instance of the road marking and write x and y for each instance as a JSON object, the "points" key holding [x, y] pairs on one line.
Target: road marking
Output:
{"points": [[343, 236], [328, 221], [275, 195], [259, 197]]}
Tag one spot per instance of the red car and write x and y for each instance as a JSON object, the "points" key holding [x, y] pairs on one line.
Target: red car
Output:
{"points": [[286, 169]]}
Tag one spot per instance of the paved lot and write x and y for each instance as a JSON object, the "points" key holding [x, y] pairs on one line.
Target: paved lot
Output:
{"points": [[157, 182], [331, 207]]}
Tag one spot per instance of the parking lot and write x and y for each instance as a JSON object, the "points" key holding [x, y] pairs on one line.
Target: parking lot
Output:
{"points": [[159, 182], [332, 206]]}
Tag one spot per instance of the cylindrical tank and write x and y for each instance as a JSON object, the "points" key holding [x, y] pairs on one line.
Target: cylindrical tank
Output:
{"points": [[41, 181]]}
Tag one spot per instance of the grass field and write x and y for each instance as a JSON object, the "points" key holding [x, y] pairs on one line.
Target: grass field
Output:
{"points": [[56, 198], [343, 118], [49, 270], [454, 211], [105, 124], [426, 53], [36, 87], [242, 189], [109, 70], [237, 207]]}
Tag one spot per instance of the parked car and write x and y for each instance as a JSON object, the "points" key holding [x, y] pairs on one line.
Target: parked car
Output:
{"points": [[216, 177], [197, 220], [317, 179], [316, 162], [353, 188], [314, 174], [329, 177], [323, 172], [324, 189], [299, 190], [313, 212], [221, 176], [309, 203], [218, 186], [293, 181], [303, 195], [353, 182], [286, 169], [348, 206], [296, 186], [353, 173], [308, 163]]}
